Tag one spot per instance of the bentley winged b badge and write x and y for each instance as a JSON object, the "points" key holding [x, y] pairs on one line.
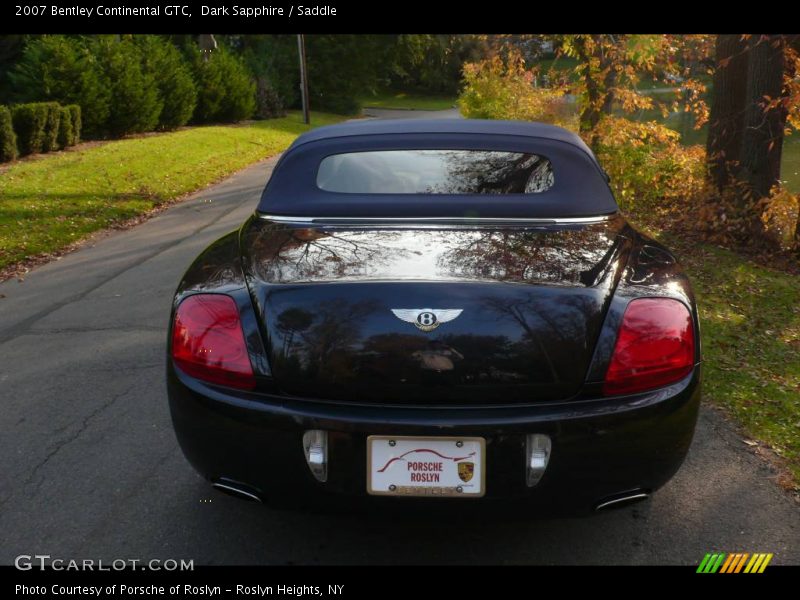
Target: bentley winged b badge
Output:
{"points": [[426, 319]]}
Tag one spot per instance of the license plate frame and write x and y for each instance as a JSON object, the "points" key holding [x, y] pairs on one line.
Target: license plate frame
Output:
{"points": [[437, 449]]}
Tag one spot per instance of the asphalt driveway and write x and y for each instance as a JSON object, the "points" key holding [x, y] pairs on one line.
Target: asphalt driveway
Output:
{"points": [[90, 468]]}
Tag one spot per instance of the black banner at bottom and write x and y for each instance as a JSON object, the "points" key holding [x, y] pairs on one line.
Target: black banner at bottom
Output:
{"points": [[297, 582]]}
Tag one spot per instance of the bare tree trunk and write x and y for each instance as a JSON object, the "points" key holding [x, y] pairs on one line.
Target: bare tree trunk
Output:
{"points": [[599, 99], [590, 115], [610, 79], [762, 140], [791, 72], [726, 120]]}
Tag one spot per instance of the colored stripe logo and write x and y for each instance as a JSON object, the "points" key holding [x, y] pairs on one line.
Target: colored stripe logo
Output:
{"points": [[737, 562]]}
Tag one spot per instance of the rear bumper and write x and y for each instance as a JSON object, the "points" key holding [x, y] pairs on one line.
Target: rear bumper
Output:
{"points": [[600, 448]]}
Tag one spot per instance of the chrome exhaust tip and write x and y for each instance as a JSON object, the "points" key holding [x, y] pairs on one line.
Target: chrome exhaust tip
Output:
{"points": [[236, 489], [622, 500]]}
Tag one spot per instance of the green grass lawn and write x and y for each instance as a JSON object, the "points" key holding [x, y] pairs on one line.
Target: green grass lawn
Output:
{"points": [[750, 326], [408, 100], [51, 201]]}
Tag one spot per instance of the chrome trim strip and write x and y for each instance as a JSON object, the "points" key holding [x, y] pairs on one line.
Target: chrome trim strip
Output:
{"points": [[235, 490], [630, 498], [457, 220]]}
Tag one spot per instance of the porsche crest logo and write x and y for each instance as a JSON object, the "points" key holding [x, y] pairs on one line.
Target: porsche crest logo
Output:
{"points": [[466, 470], [426, 319]]}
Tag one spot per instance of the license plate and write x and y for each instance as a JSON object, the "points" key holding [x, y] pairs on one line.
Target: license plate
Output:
{"points": [[426, 466]]}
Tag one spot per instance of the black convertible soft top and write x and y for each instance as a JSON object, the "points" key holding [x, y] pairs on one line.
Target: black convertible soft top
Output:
{"points": [[579, 186]]}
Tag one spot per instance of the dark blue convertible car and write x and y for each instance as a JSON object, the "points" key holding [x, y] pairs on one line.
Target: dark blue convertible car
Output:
{"points": [[436, 313]]}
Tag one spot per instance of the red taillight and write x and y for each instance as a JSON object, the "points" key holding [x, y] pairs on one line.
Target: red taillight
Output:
{"points": [[655, 347], [208, 343]]}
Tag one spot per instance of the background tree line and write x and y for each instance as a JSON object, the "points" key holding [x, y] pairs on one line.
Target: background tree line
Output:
{"points": [[135, 83], [743, 89], [126, 84]]}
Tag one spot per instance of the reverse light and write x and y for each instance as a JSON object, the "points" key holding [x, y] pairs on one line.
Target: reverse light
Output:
{"points": [[655, 347], [315, 446], [537, 454], [208, 343]]}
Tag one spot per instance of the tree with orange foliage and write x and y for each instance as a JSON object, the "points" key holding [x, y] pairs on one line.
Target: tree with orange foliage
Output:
{"points": [[610, 68]]}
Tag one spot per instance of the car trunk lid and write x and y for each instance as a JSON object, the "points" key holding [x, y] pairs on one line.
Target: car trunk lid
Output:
{"points": [[432, 314]]}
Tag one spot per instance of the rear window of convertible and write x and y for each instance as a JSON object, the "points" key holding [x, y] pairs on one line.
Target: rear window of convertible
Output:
{"points": [[435, 172]]}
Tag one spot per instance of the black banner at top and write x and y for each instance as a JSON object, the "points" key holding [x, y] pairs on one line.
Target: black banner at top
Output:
{"points": [[334, 16]]}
